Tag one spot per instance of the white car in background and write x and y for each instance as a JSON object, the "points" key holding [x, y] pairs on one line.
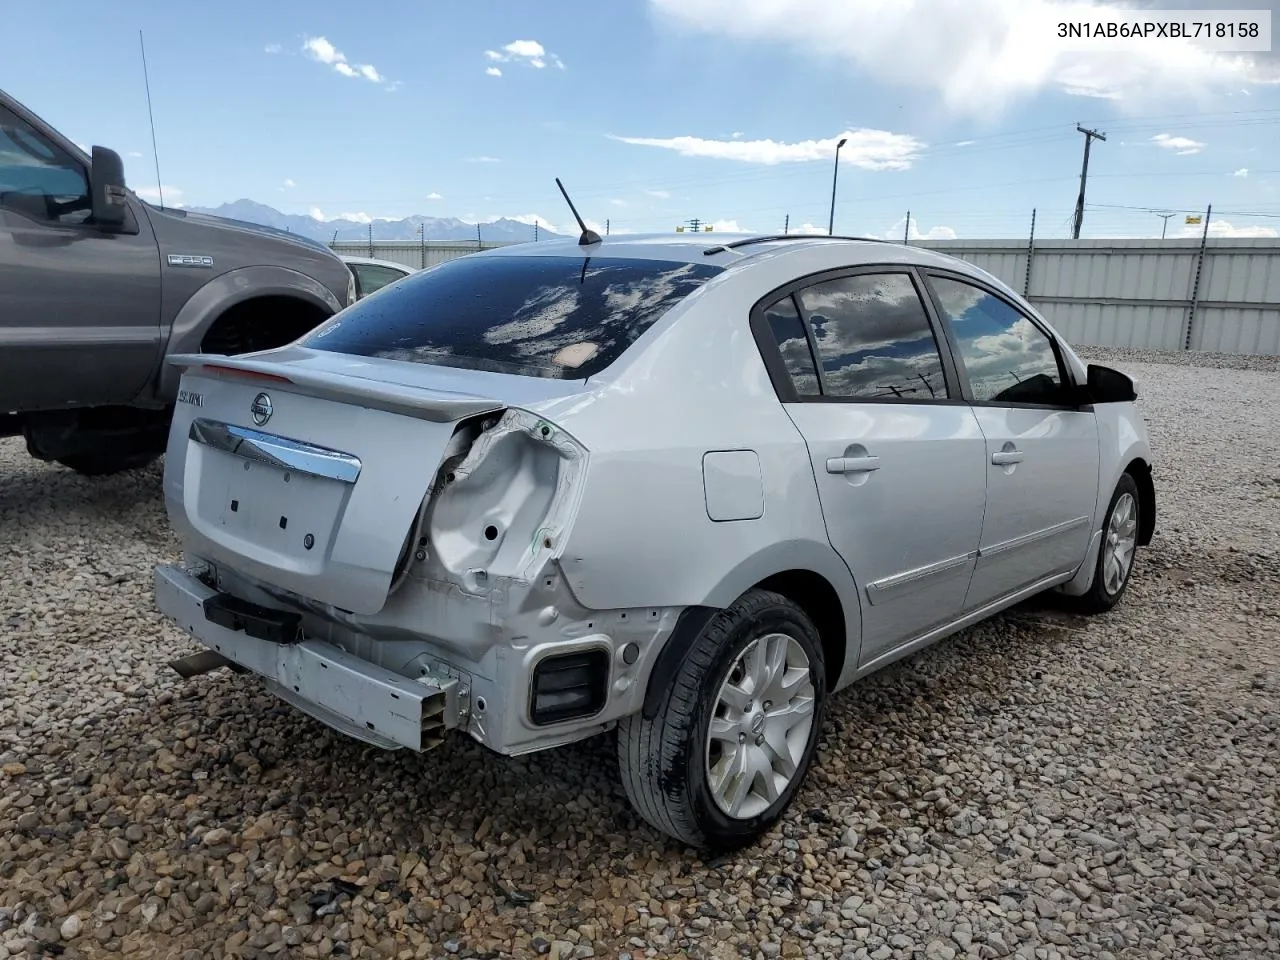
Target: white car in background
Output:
{"points": [[681, 486], [372, 274]]}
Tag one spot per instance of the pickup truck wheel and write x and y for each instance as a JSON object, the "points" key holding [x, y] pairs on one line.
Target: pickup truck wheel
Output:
{"points": [[105, 464], [736, 730]]}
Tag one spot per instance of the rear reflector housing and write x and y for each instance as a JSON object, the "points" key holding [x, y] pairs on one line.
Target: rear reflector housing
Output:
{"points": [[569, 686]]}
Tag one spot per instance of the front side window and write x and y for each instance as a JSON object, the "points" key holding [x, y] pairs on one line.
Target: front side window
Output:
{"points": [[874, 338], [1008, 358], [37, 179], [564, 318]]}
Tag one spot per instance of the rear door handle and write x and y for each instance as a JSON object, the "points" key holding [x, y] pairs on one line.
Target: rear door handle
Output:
{"points": [[852, 464], [1002, 458]]}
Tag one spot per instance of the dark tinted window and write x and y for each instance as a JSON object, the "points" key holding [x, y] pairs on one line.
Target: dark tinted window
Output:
{"points": [[874, 338], [558, 317], [1008, 358], [788, 332], [373, 277], [37, 179]]}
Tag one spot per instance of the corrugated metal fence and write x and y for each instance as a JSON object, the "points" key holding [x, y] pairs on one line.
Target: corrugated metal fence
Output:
{"points": [[412, 253], [1150, 294]]}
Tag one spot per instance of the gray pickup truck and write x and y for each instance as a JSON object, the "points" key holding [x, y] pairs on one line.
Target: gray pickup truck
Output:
{"points": [[98, 287]]}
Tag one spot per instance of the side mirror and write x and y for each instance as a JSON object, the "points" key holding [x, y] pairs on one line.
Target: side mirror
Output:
{"points": [[106, 185], [1109, 386]]}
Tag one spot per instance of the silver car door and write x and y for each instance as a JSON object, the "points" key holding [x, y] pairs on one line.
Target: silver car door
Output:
{"points": [[897, 456], [1041, 448]]}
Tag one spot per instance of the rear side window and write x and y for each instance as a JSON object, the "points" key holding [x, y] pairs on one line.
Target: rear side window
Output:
{"points": [[874, 338], [373, 277], [564, 318], [1008, 358], [793, 345]]}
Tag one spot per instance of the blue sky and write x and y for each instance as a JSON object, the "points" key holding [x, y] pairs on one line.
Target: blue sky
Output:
{"points": [[656, 111]]}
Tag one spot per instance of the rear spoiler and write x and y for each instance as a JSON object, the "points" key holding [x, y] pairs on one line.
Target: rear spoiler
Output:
{"points": [[439, 406]]}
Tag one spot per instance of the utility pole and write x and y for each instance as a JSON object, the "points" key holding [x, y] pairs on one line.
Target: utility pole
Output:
{"points": [[371, 241], [786, 225], [906, 228], [606, 227], [1089, 137], [422, 246], [1165, 225], [479, 242]]}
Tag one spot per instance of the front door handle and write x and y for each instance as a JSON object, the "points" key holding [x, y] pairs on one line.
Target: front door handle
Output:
{"points": [[1003, 458], [852, 464]]}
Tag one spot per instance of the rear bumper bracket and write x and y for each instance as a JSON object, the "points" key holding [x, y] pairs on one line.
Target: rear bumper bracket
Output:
{"points": [[354, 696]]}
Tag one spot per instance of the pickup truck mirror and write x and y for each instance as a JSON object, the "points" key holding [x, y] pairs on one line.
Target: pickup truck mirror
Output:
{"points": [[106, 185], [1109, 386]]}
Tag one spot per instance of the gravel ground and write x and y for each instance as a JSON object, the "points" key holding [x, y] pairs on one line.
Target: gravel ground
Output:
{"points": [[1040, 786]]}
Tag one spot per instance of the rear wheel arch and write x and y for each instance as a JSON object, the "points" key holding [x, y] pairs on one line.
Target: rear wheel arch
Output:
{"points": [[810, 591]]}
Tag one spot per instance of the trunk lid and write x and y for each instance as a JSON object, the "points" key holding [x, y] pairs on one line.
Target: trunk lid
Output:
{"points": [[303, 471]]}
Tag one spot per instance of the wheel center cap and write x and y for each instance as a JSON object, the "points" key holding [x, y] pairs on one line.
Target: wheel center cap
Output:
{"points": [[757, 723]]}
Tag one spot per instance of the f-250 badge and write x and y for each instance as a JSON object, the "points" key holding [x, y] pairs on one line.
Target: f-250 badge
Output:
{"points": [[190, 260]]}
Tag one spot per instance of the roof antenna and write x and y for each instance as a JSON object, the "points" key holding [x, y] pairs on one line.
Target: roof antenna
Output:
{"points": [[588, 236], [151, 117]]}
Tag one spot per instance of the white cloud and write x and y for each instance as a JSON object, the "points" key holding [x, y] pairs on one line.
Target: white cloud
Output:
{"points": [[529, 52], [979, 55], [483, 159], [869, 149], [315, 213], [808, 229], [493, 71], [1222, 228], [434, 196], [1241, 173], [660, 194], [727, 226], [1183, 146], [933, 233], [320, 49], [272, 48], [618, 203], [965, 143], [135, 153], [288, 182], [736, 135]]}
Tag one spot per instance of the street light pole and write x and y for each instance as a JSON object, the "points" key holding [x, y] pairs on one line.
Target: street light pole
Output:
{"points": [[835, 173]]}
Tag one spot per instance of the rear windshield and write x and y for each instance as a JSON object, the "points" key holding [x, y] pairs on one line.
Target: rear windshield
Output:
{"points": [[565, 318]]}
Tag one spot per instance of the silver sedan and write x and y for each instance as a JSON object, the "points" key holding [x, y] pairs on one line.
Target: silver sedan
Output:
{"points": [[677, 488]]}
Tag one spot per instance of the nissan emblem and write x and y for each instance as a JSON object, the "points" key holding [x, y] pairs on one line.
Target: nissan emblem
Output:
{"points": [[261, 409]]}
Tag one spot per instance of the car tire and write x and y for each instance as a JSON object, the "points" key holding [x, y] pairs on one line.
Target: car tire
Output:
{"points": [[679, 777], [106, 464], [1114, 565]]}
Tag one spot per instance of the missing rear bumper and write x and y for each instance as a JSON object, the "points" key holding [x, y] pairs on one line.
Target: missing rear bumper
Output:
{"points": [[354, 696]]}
